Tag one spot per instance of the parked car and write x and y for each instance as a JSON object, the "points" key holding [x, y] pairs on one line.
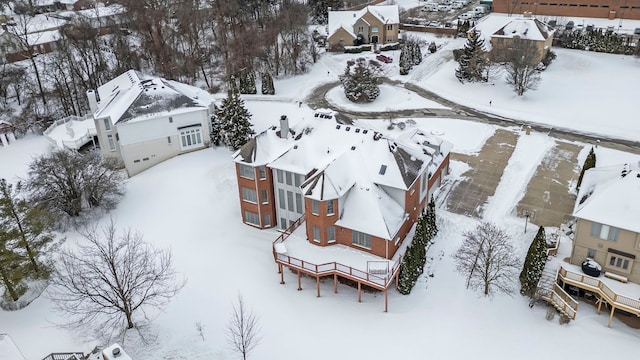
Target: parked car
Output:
{"points": [[444, 8], [569, 25], [479, 10], [466, 16], [430, 6], [636, 31], [385, 59], [457, 5]]}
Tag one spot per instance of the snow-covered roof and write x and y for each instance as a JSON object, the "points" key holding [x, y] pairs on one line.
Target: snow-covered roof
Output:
{"points": [[8, 349], [133, 96], [611, 195], [43, 37], [387, 14], [525, 28]]}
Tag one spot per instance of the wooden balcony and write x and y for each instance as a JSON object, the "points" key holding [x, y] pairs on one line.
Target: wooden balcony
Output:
{"points": [[602, 290], [379, 280]]}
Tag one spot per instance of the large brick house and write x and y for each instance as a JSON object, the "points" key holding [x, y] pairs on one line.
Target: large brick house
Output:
{"points": [[354, 186], [608, 222], [608, 9], [378, 24]]}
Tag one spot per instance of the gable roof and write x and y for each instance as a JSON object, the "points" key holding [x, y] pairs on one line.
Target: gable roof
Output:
{"points": [[8, 349], [525, 28], [387, 14], [611, 195], [133, 96]]}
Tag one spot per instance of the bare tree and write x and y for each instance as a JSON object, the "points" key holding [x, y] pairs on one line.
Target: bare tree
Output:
{"points": [[112, 279], [66, 181], [487, 259], [521, 63], [243, 330]]}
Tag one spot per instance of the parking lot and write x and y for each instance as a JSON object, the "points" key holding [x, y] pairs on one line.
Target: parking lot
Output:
{"points": [[440, 15]]}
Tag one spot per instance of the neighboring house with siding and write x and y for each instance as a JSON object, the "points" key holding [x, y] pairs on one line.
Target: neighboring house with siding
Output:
{"points": [[518, 33], [371, 25], [143, 120], [354, 186], [607, 212]]}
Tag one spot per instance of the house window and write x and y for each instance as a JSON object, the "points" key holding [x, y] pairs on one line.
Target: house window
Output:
{"points": [[112, 143], [298, 179], [251, 218], [266, 220], [288, 177], [107, 124], [283, 223], [360, 29], [331, 234], [315, 207], [389, 39], [374, 29], [330, 207], [191, 137], [591, 253], [279, 176], [298, 203], [619, 263], [265, 196], [246, 171], [604, 232], [249, 195], [263, 173], [290, 200], [168, 139], [389, 27], [281, 199], [170, 119], [424, 182], [316, 233], [361, 239]]}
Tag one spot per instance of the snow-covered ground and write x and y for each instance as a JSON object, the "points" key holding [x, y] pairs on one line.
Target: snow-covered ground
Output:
{"points": [[190, 204]]}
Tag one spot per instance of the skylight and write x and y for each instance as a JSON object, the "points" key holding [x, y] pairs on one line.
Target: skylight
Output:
{"points": [[383, 169]]}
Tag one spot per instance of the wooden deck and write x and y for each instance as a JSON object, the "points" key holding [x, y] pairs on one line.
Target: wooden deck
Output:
{"points": [[605, 293], [380, 282]]}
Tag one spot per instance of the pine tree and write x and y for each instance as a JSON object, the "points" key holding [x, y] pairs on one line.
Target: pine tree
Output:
{"points": [[267, 84], [247, 82], [417, 54], [29, 224], [217, 133], [405, 60], [360, 80], [589, 163], [534, 264], [432, 226], [405, 283], [234, 120], [13, 265], [473, 62]]}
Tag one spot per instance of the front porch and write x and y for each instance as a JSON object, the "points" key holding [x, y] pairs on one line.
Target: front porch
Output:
{"points": [[337, 261]]}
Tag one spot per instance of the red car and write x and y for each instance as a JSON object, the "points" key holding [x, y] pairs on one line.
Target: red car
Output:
{"points": [[384, 58]]}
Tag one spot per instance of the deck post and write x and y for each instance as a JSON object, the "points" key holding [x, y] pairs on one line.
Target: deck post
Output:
{"points": [[335, 283], [600, 304], [613, 308], [318, 284], [386, 300], [299, 285], [359, 291], [281, 274]]}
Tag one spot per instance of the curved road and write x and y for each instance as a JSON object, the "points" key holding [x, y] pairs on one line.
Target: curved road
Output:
{"points": [[317, 99]]}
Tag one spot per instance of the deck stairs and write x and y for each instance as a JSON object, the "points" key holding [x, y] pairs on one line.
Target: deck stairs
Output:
{"points": [[549, 291]]}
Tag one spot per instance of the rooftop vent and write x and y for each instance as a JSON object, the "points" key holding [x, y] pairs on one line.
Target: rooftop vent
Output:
{"points": [[348, 128], [357, 130], [365, 131], [625, 170], [353, 148], [338, 127], [295, 146], [115, 352]]}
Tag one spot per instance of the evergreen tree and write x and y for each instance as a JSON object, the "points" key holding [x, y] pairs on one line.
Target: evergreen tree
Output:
{"points": [[405, 282], [13, 265], [28, 224], [267, 84], [405, 60], [473, 62], [417, 54], [217, 133], [361, 79], [235, 120], [534, 264], [589, 162], [432, 226], [247, 82], [319, 9]]}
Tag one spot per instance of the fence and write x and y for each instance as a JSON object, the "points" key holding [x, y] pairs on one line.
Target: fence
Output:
{"points": [[72, 144]]}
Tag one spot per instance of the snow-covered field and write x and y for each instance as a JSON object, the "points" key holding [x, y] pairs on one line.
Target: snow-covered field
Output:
{"points": [[190, 204]]}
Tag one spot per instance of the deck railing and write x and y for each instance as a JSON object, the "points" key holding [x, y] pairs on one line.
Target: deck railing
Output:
{"points": [[65, 356], [374, 280], [72, 144], [597, 286]]}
